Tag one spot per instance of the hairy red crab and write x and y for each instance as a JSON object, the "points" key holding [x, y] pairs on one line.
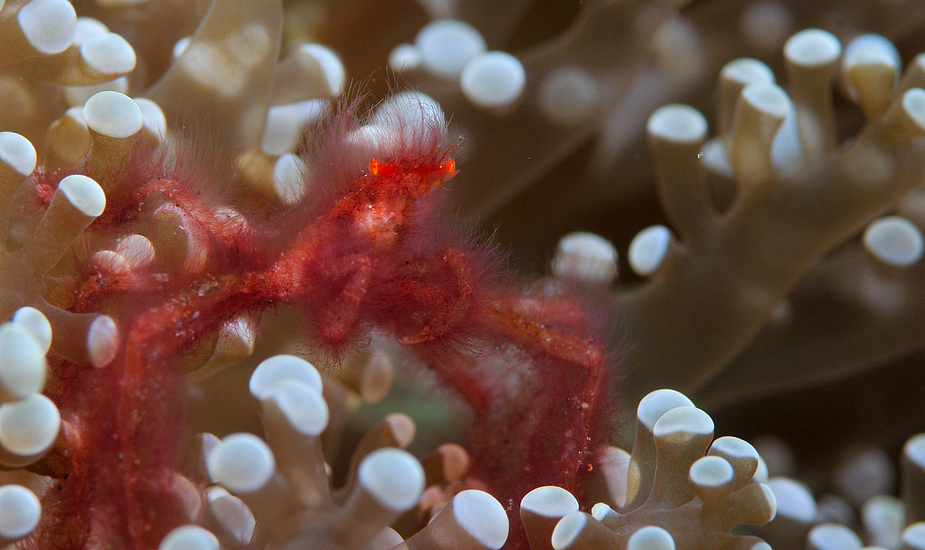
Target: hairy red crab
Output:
{"points": [[369, 247]]}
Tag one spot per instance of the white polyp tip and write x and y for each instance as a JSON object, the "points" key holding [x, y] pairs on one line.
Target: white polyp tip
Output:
{"points": [[87, 27], [287, 178], [914, 450], [102, 341], [243, 463], [761, 546], [302, 405], [20, 511], [913, 102], [894, 241], [153, 115], [648, 249], [331, 67], [585, 257], [447, 45], [549, 501], [393, 477], [793, 499], [812, 47], [48, 25], [711, 471], [567, 530], [871, 49], [22, 361], [678, 123], [770, 499], [189, 537], [600, 511], [113, 114], [283, 127], [280, 367], [77, 96], [746, 70], [687, 420], [768, 98], [733, 447], [108, 53], [761, 472], [110, 262], [29, 426], [883, 517], [483, 517], [36, 323], [650, 538], [568, 96], [232, 514], [405, 57], [180, 46], [493, 79], [136, 249], [85, 194], [833, 536], [17, 152], [914, 535], [656, 403], [408, 115]]}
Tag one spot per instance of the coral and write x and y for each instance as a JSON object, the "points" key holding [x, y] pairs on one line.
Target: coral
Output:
{"points": [[777, 280]]}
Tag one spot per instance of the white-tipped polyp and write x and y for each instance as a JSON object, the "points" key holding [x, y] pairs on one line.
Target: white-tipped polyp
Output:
{"points": [[102, 341], [812, 47], [85, 194], [19, 512], [232, 514], [894, 241], [243, 463], [568, 96], [284, 124], [568, 529], [687, 420], [287, 178], [77, 96], [302, 405], [113, 114], [405, 57], [85, 28], [768, 98], [280, 367], [657, 403], [447, 45], [914, 449], [48, 25], [108, 53], [408, 116], [22, 361], [483, 517], [711, 471], [494, 80], [793, 499], [833, 536], [746, 70], [549, 501], [393, 477], [17, 152], [585, 257], [332, 69], [913, 103], [648, 249], [913, 536], [650, 538], [189, 537], [678, 123], [871, 49], [29, 426], [36, 323], [152, 114]]}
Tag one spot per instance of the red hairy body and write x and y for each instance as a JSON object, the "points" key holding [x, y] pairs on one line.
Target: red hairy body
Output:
{"points": [[373, 253]]}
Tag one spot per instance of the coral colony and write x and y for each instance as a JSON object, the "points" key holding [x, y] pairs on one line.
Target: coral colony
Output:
{"points": [[190, 194]]}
